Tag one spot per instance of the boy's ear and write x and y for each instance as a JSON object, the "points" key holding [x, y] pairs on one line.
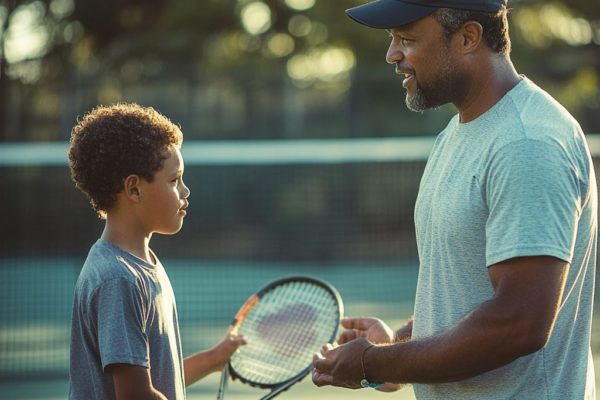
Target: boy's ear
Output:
{"points": [[131, 188]]}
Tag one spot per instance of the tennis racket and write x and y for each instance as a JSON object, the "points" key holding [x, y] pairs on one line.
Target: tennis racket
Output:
{"points": [[284, 324]]}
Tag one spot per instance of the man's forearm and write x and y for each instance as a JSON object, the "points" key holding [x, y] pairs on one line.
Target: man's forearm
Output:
{"points": [[484, 340]]}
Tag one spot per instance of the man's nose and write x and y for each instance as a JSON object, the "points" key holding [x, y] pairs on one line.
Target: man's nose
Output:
{"points": [[394, 55]]}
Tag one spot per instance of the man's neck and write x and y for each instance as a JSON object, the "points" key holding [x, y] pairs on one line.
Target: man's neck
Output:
{"points": [[496, 77]]}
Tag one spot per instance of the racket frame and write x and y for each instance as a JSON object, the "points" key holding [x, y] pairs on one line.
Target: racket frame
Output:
{"points": [[279, 387]]}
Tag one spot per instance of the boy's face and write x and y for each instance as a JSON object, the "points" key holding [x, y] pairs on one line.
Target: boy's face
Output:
{"points": [[164, 200]]}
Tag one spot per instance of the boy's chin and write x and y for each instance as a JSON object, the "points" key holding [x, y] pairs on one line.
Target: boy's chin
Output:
{"points": [[169, 231]]}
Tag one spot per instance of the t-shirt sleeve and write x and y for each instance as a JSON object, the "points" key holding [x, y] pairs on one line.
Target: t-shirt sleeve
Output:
{"points": [[120, 310], [534, 201]]}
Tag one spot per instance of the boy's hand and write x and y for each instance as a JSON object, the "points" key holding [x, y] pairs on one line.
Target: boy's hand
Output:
{"points": [[227, 346]]}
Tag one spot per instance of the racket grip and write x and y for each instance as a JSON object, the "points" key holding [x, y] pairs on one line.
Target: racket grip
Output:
{"points": [[223, 382]]}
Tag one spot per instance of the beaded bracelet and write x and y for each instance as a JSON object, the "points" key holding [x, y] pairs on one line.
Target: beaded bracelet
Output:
{"points": [[364, 382]]}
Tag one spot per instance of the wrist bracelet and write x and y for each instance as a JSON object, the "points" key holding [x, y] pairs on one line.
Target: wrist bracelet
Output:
{"points": [[364, 382]]}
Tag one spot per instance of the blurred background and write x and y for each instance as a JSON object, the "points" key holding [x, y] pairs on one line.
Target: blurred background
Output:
{"points": [[300, 154]]}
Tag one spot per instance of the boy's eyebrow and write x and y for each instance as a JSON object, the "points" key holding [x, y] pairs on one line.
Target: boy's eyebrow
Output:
{"points": [[178, 172]]}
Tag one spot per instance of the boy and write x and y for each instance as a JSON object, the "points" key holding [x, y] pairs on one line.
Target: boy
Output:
{"points": [[125, 340]]}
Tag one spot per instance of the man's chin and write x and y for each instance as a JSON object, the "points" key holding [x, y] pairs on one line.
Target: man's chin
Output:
{"points": [[416, 104]]}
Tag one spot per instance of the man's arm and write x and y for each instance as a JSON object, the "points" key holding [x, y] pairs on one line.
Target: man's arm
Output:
{"points": [[517, 321], [133, 382]]}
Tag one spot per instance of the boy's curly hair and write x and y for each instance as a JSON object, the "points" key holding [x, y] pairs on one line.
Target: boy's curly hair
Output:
{"points": [[113, 142]]}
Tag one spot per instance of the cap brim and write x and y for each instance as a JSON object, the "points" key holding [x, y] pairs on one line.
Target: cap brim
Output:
{"points": [[388, 14]]}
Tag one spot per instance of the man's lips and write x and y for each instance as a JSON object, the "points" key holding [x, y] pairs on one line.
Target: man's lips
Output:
{"points": [[408, 76]]}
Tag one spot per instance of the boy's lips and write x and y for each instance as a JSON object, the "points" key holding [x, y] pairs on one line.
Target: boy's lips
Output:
{"points": [[182, 210]]}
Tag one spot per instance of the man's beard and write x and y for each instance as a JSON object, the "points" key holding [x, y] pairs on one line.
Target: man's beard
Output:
{"points": [[446, 87]]}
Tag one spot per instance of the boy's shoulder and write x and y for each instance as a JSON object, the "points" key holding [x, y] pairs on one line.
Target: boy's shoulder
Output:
{"points": [[106, 262]]}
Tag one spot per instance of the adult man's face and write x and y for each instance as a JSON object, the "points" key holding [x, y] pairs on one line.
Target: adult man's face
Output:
{"points": [[427, 60]]}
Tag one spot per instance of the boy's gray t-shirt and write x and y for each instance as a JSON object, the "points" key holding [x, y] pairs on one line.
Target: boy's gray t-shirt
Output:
{"points": [[517, 181], [124, 312]]}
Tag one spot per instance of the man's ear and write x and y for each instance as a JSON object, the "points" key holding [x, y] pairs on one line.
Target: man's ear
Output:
{"points": [[131, 188], [471, 35]]}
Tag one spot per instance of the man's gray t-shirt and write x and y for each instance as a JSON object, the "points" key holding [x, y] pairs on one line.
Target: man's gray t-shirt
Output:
{"points": [[124, 312], [517, 181]]}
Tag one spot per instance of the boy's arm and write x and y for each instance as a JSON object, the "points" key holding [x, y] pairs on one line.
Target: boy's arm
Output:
{"points": [[133, 382], [197, 366]]}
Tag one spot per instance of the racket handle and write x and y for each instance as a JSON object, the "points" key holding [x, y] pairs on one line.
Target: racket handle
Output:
{"points": [[223, 382]]}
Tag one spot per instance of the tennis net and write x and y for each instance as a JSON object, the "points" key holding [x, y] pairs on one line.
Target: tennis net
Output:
{"points": [[340, 210]]}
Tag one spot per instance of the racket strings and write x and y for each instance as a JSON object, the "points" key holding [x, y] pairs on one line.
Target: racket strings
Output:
{"points": [[284, 330]]}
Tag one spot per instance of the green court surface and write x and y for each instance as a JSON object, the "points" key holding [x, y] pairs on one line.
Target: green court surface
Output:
{"points": [[207, 389], [34, 319]]}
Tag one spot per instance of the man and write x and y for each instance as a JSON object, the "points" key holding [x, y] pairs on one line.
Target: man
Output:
{"points": [[506, 224]]}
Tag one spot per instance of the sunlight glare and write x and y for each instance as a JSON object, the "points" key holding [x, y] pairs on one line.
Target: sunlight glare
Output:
{"points": [[300, 5], [300, 25], [27, 36], [321, 64], [280, 45], [256, 17], [540, 25], [62, 8]]}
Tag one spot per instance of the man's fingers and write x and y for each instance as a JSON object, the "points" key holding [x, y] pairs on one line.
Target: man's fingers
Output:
{"points": [[361, 323], [347, 335], [320, 363], [326, 347], [321, 379]]}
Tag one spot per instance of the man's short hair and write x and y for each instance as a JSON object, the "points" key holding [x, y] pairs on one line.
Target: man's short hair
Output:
{"points": [[113, 142], [495, 26]]}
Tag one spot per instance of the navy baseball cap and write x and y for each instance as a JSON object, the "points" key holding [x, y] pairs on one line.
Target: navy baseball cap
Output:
{"points": [[387, 14]]}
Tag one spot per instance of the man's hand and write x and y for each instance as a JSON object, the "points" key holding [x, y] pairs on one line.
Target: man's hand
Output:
{"points": [[340, 366], [372, 329], [375, 331]]}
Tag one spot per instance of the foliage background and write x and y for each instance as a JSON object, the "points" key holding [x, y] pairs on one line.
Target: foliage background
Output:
{"points": [[254, 69]]}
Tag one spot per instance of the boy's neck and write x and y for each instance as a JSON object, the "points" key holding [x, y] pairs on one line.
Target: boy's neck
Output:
{"points": [[122, 236]]}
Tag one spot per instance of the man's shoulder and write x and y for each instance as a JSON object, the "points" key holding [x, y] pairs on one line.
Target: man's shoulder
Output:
{"points": [[537, 108]]}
